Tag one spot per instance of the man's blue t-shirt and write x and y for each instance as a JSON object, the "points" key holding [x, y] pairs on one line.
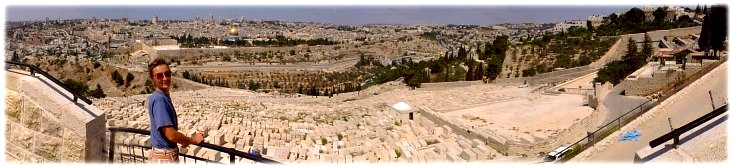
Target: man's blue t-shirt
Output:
{"points": [[161, 113]]}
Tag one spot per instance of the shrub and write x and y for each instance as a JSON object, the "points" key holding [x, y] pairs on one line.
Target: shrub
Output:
{"points": [[76, 86], [97, 93]]}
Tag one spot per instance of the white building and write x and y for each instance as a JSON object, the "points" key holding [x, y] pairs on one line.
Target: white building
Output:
{"points": [[404, 112], [595, 20], [564, 26], [154, 20]]}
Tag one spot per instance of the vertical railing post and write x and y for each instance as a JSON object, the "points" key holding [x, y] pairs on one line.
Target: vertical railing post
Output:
{"points": [[231, 158], [111, 146]]}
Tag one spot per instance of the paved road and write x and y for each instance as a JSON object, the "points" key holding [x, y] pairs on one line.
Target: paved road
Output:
{"points": [[689, 107], [618, 104]]}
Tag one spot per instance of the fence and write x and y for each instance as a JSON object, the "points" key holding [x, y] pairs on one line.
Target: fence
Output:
{"points": [[603, 132], [134, 151], [34, 69]]}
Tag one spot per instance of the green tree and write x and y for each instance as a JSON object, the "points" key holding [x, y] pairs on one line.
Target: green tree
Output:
{"points": [[659, 15], [129, 79], [613, 72], [704, 41], [584, 60], [631, 53], [253, 85], [563, 61], [96, 93], [646, 50], [529, 72], [634, 18], [76, 86], [118, 78], [469, 73], [718, 27], [479, 73], [613, 19]]}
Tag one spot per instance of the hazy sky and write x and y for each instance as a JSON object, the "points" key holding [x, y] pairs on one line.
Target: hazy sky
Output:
{"points": [[480, 15]]}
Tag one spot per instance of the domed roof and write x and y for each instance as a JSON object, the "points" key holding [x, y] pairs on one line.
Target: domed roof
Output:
{"points": [[233, 31], [401, 106]]}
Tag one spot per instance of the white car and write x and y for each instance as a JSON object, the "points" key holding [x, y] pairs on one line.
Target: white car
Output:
{"points": [[557, 154]]}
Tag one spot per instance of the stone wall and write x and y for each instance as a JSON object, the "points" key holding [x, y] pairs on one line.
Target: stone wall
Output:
{"points": [[152, 53], [195, 53], [549, 77], [566, 137], [648, 86], [425, 86], [43, 124], [491, 139], [35, 135]]}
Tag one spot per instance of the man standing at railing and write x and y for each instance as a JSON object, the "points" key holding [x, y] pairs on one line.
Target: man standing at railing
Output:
{"points": [[163, 119]]}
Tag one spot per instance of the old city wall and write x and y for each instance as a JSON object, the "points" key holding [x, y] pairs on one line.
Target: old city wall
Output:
{"points": [[152, 53], [43, 125], [198, 53]]}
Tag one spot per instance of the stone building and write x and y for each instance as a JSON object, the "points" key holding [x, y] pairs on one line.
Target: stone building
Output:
{"points": [[404, 112]]}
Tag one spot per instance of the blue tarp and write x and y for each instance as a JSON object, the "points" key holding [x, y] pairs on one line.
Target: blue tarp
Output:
{"points": [[632, 135]]}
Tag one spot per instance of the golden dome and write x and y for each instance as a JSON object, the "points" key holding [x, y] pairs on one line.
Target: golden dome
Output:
{"points": [[233, 31]]}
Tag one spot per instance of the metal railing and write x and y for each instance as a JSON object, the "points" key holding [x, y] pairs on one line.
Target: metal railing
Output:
{"points": [[613, 126], [131, 156], [675, 134], [34, 69]]}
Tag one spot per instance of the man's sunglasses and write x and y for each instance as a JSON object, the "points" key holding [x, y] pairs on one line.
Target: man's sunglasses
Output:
{"points": [[167, 74]]}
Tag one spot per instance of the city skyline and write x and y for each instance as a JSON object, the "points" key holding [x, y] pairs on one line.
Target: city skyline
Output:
{"points": [[343, 15]]}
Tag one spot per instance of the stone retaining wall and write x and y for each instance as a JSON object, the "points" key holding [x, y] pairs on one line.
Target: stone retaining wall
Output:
{"points": [[449, 84], [491, 139], [43, 124], [564, 138], [35, 135], [549, 77]]}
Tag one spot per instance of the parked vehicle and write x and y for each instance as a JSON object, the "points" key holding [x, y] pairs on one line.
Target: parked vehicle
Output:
{"points": [[557, 154]]}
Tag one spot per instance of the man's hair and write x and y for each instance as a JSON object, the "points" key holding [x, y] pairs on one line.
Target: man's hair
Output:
{"points": [[154, 63]]}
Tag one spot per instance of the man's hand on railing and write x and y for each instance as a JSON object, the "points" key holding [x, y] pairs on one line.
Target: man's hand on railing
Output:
{"points": [[195, 139]]}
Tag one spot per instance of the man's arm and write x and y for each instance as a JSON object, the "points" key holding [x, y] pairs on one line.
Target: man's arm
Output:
{"points": [[173, 135]]}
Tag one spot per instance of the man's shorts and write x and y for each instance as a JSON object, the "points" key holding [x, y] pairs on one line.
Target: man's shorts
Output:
{"points": [[163, 156]]}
